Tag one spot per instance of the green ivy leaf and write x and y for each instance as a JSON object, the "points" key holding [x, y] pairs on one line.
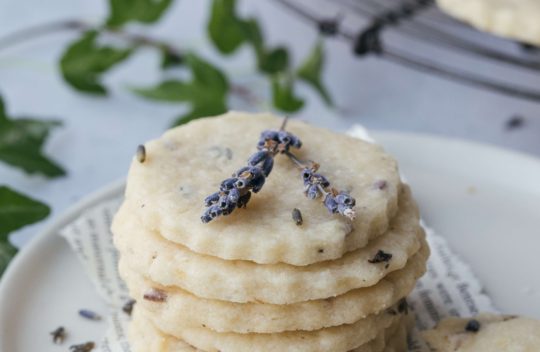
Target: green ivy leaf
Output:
{"points": [[310, 71], [207, 75], [84, 61], [274, 61], [283, 95], [225, 29], [198, 110], [206, 92], [144, 11], [21, 143], [18, 210], [170, 90], [254, 35], [7, 252]]}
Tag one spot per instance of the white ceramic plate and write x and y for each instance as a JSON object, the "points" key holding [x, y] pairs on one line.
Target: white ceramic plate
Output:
{"points": [[485, 200]]}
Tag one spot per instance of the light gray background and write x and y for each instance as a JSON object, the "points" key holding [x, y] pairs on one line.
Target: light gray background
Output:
{"points": [[100, 135]]}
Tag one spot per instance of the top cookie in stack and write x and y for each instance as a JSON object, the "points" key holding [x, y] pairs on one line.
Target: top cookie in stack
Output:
{"points": [[254, 280]]}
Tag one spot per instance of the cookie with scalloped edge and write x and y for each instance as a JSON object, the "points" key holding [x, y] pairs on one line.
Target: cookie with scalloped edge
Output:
{"points": [[182, 308], [485, 333], [188, 163], [144, 337], [515, 19], [245, 281]]}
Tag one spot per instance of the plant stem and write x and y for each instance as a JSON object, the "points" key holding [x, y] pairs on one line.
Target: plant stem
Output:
{"points": [[41, 30]]}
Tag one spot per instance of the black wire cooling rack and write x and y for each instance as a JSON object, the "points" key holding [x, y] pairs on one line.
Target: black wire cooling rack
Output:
{"points": [[422, 22]]}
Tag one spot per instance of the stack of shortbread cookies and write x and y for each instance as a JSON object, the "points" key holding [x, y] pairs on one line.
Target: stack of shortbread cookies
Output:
{"points": [[255, 280]]}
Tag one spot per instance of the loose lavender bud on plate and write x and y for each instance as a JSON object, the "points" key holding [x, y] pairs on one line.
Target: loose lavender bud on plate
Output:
{"points": [[84, 347], [88, 314], [128, 307], [58, 335]]}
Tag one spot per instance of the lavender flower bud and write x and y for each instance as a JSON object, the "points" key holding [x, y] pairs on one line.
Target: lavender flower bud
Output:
{"points": [[211, 213], [258, 157], [211, 199], [312, 192], [243, 201], [229, 209], [321, 180], [284, 137], [234, 195], [306, 176], [265, 136], [241, 183], [267, 166], [257, 183], [331, 204], [345, 199], [240, 171], [228, 184], [346, 211], [223, 202]]}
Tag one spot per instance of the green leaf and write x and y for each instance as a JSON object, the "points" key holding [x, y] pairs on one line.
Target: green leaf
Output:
{"points": [[207, 75], [254, 34], [144, 11], [18, 210], [310, 71], [274, 61], [283, 95], [84, 61], [170, 90], [225, 29], [206, 92], [21, 143], [7, 252], [199, 110]]}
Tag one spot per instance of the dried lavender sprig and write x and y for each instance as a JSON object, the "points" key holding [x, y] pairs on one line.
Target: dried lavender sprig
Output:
{"points": [[318, 186], [235, 192]]}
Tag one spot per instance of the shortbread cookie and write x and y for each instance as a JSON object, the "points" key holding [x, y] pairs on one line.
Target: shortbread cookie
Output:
{"points": [[188, 163], [337, 339], [224, 316], [516, 19], [145, 337], [485, 333], [244, 281]]}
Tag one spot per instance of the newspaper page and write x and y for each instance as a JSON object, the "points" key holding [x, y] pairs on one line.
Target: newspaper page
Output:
{"points": [[449, 288]]}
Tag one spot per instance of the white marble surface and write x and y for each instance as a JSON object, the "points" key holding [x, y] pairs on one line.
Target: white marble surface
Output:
{"points": [[100, 135]]}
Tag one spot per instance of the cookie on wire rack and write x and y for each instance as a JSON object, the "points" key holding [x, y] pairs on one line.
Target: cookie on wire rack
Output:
{"points": [[514, 19]]}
